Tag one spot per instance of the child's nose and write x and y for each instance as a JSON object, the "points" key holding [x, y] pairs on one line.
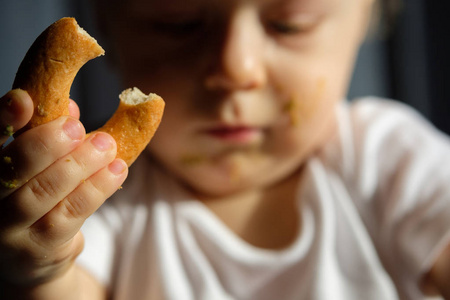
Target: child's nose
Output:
{"points": [[240, 64]]}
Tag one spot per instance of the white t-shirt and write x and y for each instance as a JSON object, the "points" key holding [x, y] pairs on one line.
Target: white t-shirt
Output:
{"points": [[375, 211]]}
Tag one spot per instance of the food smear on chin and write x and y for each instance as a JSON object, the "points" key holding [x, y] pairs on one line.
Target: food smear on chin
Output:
{"points": [[190, 160]]}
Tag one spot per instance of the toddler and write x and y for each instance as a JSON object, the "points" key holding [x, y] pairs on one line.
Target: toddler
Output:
{"points": [[262, 182]]}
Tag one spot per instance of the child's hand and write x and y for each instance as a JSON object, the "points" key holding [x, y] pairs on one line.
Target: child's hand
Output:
{"points": [[51, 179]]}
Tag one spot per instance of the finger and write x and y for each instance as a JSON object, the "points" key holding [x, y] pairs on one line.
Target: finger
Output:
{"points": [[74, 110], [41, 193], [65, 220], [16, 109], [35, 150]]}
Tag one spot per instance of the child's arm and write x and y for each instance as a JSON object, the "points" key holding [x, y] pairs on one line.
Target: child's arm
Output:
{"points": [[438, 278], [52, 178]]}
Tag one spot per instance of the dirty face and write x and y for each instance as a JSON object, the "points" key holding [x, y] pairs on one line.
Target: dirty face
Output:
{"points": [[250, 85]]}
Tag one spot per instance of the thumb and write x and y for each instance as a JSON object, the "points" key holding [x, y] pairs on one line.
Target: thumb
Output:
{"points": [[16, 109]]}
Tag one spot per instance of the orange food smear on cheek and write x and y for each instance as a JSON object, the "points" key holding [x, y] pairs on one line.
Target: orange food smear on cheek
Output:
{"points": [[303, 106]]}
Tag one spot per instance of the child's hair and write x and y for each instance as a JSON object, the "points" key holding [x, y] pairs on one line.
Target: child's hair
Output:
{"points": [[390, 8], [385, 10], [385, 15]]}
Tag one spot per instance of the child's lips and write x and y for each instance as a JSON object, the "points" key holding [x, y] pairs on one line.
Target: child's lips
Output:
{"points": [[235, 134]]}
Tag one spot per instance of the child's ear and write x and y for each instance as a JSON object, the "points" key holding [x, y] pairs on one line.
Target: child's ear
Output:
{"points": [[383, 17], [370, 17]]}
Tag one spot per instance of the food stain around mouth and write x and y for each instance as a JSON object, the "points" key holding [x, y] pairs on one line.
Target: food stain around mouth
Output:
{"points": [[191, 160], [291, 108], [301, 103]]}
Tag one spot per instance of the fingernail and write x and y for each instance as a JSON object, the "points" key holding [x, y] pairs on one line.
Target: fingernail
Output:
{"points": [[102, 142], [73, 129], [117, 167]]}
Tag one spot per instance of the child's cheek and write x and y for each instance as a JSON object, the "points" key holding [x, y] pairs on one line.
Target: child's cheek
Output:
{"points": [[303, 105], [307, 118], [300, 107]]}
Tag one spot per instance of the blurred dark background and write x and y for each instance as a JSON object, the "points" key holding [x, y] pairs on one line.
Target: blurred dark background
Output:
{"points": [[408, 62]]}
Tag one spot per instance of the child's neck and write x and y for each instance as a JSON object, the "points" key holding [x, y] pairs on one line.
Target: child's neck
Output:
{"points": [[266, 218]]}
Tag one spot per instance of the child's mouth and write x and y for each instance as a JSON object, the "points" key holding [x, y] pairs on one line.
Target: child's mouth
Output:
{"points": [[235, 134]]}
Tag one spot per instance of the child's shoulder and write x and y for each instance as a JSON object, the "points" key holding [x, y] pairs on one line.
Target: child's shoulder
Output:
{"points": [[372, 108], [376, 135], [375, 117]]}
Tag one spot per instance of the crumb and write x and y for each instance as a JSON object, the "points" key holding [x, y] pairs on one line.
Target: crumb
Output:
{"points": [[41, 111], [68, 160], [7, 160], [9, 130], [82, 180], [9, 184], [120, 187]]}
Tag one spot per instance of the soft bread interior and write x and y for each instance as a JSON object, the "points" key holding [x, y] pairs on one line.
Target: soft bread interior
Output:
{"points": [[87, 35], [134, 96]]}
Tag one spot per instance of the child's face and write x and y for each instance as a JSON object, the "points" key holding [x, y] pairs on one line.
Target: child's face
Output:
{"points": [[250, 85]]}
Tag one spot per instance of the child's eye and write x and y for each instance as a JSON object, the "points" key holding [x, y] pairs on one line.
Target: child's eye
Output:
{"points": [[292, 26], [284, 28]]}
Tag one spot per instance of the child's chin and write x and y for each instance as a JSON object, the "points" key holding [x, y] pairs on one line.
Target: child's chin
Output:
{"points": [[216, 183]]}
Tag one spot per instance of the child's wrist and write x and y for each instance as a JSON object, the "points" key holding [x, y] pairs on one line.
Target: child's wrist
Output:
{"points": [[44, 287]]}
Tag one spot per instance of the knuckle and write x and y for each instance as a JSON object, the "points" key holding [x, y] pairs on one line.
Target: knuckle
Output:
{"points": [[35, 235], [90, 161], [78, 162], [76, 206], [79, 204], [43, 140], [43, 187], [38, 146], [47, 235]]}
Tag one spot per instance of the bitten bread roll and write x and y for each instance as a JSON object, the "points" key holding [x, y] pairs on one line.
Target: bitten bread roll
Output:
{"points": [[134, 123], [50, 66], [47, 73]]}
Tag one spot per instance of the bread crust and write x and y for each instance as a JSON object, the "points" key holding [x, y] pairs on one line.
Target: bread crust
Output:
{"points": [[47, 73], [50, 66], [133, 126]]}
